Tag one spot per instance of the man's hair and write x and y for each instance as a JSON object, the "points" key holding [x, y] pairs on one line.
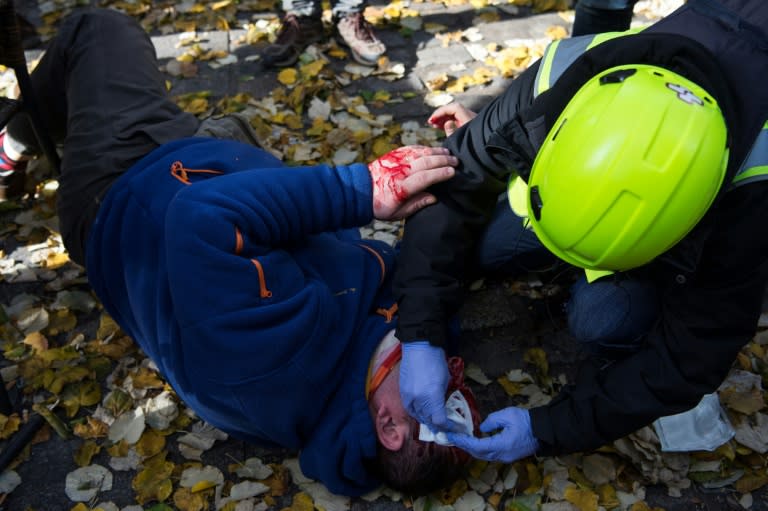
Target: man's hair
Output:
{"points": [[419, 467]]}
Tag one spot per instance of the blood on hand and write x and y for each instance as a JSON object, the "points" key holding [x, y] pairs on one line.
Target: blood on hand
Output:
{"points": [[389, 171]]}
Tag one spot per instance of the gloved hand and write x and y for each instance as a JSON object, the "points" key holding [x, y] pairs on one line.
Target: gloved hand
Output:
{"points": [[423, 383], [401, 177], [513, 442]]}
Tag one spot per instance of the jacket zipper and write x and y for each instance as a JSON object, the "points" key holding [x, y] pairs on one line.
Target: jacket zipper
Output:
{"points": [[379, 258]]}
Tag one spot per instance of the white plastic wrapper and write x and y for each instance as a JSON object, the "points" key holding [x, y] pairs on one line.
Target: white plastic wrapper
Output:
{"points": [[703, 428], [458, 412]]}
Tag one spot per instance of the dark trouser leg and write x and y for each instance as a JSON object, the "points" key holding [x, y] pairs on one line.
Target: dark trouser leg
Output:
{"points": [[595, 19], [104, 98], [507, 247], [612, 315]]}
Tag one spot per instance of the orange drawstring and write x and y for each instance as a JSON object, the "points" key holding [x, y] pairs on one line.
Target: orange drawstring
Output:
{"points": [[182, 174], [263, 291], [238, 241], [389, 314]]}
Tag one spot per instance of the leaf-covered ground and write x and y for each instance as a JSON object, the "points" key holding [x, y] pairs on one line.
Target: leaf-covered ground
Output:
{"points": [[117, 438]]}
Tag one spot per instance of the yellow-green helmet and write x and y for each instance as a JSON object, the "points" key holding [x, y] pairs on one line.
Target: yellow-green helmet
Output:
{"points": [[631, 165]]}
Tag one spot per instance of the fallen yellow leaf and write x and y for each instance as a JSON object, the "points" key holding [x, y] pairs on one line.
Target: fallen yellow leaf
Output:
{"points": [[287, 76], [9, 424], [510, 387], [186, 500], [153, 482], [338, 53], [606, 496], [220, 5], [56, 260], [537, 357], [313, 68], [92, 428], [37, 341], [107, 327], [86, 452], [85, 393], [556, 32], [202, 486], [584, 500], [534, 478], [150, 443], [146, 378], [302, 502], [551, 5]]}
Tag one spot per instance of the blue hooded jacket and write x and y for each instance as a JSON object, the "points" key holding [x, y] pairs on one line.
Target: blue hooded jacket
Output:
{"points": [[247, 285]]}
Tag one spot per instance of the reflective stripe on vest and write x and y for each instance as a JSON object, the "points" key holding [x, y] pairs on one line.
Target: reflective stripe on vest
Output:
{"points": [[556, 59], [755, 167], [558, 56], [561, 54]]}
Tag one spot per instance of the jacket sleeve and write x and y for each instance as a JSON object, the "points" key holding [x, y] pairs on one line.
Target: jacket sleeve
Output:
{"points": [[439, 241], [704, 322], [276, 206]]}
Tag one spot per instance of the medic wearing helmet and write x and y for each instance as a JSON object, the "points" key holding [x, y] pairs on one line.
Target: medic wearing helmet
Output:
{"points": [[642, 158]]}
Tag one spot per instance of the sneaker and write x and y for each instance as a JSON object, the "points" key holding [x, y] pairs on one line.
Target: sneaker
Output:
{"points": [[356, 33], [12, 175], [296, 33]]}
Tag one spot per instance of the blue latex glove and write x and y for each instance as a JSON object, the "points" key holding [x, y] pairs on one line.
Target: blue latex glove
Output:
{"points": [[423, 383], [514, 441]]}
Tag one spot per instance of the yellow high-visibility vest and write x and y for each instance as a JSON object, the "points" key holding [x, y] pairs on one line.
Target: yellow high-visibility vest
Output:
{"points": [[558, 56]]}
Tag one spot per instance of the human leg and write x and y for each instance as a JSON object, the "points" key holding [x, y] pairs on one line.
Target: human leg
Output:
{"points": [[13, 166], [597, 16], [303, 8], [507, 247], [234, 126], [104, 98], [302, 25], [611, 315], [355, 32]]}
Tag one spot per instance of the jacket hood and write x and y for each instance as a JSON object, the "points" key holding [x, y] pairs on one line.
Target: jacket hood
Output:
{"points": [[346, 438]]}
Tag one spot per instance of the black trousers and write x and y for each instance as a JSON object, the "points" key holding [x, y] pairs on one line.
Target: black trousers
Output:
{"points": [[104, 99], [597, 16]]}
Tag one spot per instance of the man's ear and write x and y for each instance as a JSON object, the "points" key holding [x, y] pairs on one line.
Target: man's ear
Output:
{"points": [[390, 429]]}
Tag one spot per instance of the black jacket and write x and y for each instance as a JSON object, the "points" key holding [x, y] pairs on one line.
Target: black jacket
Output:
{"points": [[711, 283]]}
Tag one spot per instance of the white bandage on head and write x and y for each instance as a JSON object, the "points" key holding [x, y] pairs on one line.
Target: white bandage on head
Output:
{"points": [[458, 412]]}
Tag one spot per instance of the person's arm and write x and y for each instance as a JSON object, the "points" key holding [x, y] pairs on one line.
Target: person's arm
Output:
{"points": [[437, 248], [704, 322], [438, 242], [703, 325], [235, 232]]}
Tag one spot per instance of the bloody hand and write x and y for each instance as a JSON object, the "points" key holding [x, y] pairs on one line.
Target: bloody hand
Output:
{"points": [[401, 177]]}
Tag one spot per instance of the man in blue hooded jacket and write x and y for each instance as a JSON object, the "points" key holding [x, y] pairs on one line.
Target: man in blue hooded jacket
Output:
{"points": [[245, 282]]}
